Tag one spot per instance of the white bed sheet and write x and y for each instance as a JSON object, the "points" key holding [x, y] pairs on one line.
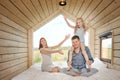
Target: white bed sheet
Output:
{"points": [[35, 73]]}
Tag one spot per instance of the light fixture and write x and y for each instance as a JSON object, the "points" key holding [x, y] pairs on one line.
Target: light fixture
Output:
{"points": [[62, 3]]}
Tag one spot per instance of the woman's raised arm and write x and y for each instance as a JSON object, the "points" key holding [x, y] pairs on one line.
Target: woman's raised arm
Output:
{"points": [[58, 45], [50, 51]]}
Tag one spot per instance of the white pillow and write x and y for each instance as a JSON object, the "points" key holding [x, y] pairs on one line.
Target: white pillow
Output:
{"points": [[98, 64]]}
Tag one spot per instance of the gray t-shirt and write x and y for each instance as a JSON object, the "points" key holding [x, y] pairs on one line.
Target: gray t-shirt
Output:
{"points": [[47, 64], [78, 60]]}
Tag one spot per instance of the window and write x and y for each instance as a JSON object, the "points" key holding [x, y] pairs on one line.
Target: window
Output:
{"points": [[106, 52]]}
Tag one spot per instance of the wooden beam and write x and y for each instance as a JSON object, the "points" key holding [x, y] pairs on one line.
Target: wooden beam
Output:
{"points": [[83, 8], [12, 50], [91, 41], [108, 12], [31, 8], [10, 57], [12, 17], [30, 47], [9, 36], [67, 14], [116, 53], [91, 7], [98, 10], [49, 5], [77, 7], [72, 6], [12, 30], [9, 22], [9, 71], [8, 64], [21, 6], [112, 58], [117, 31], [12, 43], [117, 46], [55, 5], [114, 14], [115, 23], [44, 6], [39, 9], [10, 7]]}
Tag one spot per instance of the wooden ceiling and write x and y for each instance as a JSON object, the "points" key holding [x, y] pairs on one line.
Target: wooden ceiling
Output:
{"points": [[36, 13]]}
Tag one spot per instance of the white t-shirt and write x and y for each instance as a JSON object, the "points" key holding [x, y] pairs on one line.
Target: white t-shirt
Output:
{"points": [[80, 32]]}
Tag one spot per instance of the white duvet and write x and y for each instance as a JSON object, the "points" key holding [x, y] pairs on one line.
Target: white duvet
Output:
{"points": [[35, 73]]}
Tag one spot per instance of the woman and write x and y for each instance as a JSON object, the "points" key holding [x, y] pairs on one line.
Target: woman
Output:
{"points": [[46, 52]]}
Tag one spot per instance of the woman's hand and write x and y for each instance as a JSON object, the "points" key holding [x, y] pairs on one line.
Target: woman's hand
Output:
{"points": [[60, 52], [88, 64], [56, 46], [67, 36]]}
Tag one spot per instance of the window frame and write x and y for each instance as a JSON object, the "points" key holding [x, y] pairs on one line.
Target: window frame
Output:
{"points": [[103, 36]]}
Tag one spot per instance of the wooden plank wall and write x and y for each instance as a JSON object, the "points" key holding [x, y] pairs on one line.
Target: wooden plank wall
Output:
{"points": [[113, 25], [13, 48]]}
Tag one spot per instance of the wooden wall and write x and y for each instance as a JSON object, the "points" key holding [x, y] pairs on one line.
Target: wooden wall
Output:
{"points": [[13, 48], [113, 25]]}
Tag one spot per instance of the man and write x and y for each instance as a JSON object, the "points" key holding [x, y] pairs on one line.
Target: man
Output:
{"points": [[78, 61]]}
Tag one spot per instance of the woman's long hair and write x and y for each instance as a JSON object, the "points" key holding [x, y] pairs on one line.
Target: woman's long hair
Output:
{"points": [[40, 45], [83, 25]]}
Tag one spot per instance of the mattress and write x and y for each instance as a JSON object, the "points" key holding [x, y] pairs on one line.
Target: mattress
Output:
{"points": [[35, 73]]}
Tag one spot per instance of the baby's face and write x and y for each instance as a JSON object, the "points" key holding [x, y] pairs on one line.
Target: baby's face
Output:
{"points": [[79, 22]]}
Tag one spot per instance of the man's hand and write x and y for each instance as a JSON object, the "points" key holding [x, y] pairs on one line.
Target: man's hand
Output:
{"points": [[69, 66], [88, 64]]}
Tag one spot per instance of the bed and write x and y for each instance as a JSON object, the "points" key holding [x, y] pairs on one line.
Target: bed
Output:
{"points": [[35, 73]]}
